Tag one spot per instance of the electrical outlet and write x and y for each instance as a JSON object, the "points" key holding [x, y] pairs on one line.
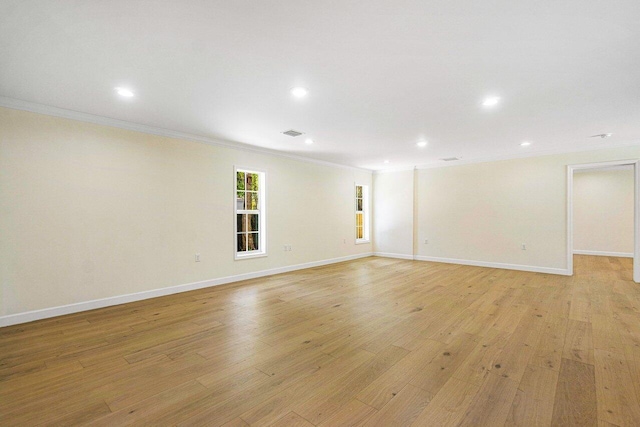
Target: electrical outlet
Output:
{"points": [[524, 247], [426, 241], [344, 241], [197, 257]]}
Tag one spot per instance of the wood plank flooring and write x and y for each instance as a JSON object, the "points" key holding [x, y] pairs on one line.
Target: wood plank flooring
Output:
{"points": [[372, 342]]}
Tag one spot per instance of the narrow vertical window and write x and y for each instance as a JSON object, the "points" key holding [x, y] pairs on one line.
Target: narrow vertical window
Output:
{"points": [[362, 214], [250, 215]]}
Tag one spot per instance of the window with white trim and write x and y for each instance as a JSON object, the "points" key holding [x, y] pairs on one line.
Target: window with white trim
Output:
{"points": [[250, 218], [362, 214]]}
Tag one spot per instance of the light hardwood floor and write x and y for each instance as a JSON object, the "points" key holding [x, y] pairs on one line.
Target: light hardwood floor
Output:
{"points": [[371, 342]]}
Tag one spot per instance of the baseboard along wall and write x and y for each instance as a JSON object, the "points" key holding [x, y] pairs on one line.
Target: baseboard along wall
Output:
{"points": [[604, 253], [30, 316], [533, 269]]}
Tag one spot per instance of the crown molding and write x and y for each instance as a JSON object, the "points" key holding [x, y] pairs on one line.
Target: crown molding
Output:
{"points": [[17, 104], [383, 171], [33, 107], [541, 153]]}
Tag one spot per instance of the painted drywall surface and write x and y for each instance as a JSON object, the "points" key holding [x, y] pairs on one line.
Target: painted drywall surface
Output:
{"points": [[393, 212], [90, 211], [603, 210], [486, 211]]}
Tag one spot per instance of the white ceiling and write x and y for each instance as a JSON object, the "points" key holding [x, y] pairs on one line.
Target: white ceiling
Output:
{"points": [[381, 75]]}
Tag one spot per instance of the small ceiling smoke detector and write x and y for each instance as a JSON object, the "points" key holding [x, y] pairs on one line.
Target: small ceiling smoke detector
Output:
{"points": [[308, 141], [422, 144], [601, 135], [292, 132], [450, 159], [525, 144]]}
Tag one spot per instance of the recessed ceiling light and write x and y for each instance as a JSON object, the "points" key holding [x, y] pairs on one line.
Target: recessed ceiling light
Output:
{"points": [[491, 101], [299, 92], [422, 144], [123, 91], [525, 144], [308, 141], [386, 162]]}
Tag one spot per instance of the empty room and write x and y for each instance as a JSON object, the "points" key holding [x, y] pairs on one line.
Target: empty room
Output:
{"points": [[296, 213]]}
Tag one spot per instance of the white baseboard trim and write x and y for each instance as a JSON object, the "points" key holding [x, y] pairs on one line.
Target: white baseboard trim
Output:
{"points": [[30, 316], [531, 268], [603, 253], [392, 255]]}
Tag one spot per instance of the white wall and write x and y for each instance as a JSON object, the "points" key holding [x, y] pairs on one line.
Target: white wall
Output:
{"points": [[482, 213], [393, 213], [90, 211], [603, 211]]}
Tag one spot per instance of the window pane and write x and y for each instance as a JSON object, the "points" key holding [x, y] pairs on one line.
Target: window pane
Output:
{"points": [[358, 204], [252, 181], [253, 222], [359, 191], [249, 220], [253, 240], [359, 220], [252, 201], [359, 234], [242, 223], [240, 200], [240, 181], [242, 242]]}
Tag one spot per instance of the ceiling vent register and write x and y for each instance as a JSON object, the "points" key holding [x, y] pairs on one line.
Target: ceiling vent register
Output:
{"points": [[292, 132]]}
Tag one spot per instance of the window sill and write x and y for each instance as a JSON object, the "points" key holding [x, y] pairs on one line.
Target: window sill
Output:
{"points": [[362, 241], [250, 255]]}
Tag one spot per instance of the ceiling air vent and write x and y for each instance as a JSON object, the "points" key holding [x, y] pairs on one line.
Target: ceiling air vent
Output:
{"points": [[450, 159], [292, 132]]}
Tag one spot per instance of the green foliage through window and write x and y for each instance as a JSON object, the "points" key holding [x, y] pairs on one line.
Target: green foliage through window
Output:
{"points": [[248, 211]]}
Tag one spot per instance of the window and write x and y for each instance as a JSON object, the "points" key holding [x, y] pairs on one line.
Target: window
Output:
{"points": [[250, 215], [362, 214]]}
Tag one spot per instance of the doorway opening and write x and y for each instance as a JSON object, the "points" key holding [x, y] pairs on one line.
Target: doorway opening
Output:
{"points": [[571, 169]]}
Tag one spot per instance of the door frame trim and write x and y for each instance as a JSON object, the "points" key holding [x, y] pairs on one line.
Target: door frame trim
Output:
{"points": [[636, 209]]}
